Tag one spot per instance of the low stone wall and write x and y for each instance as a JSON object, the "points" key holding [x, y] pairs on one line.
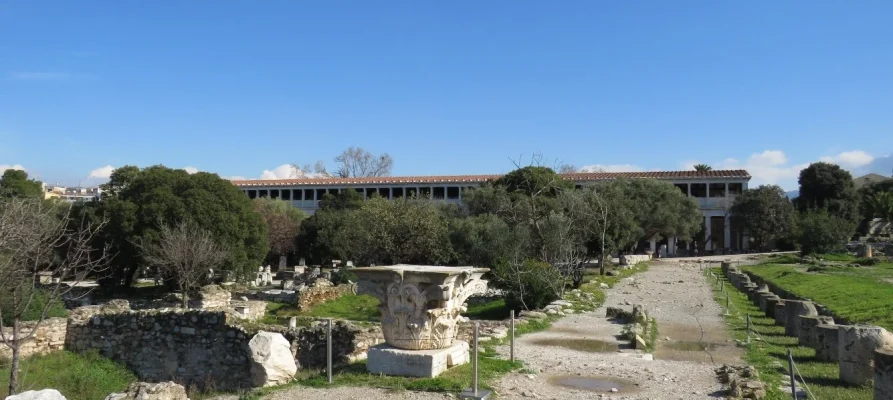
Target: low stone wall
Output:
{"points": [[272, 295], [350, 342], [633, 259], [50, 336], [192, 347], [251, 310], [321, 293]]}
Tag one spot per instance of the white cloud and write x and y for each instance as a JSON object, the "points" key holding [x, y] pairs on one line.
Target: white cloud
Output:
{"points": [[284, 171], [4, 167], [236, 178], [850, 159], [611, 168], [769, 167], [102, 172], [191, 170]]}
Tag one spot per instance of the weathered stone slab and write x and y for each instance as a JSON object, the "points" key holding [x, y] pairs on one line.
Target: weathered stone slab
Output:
{"points": [[806, 335], [793, 309], [883, 374], [151, 391], [762, 301], [272, 362], [389, 360], [826, 342], [45, 394], [856, 347]]}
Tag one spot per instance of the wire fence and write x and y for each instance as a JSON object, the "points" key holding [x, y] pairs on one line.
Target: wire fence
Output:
{"points": [[731, 310]]}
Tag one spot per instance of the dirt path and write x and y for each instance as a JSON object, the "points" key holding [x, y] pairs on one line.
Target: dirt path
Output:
{"points": [[674, 293]]}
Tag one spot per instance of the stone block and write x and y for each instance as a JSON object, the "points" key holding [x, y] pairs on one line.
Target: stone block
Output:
{"points": [[806, 336], [151, 391], [640, 343], [762, 300], [389, 360], [45, 394], [826, 342], [856, 346], [883, 374], [272, 362], [779, 313], [793, 309]]}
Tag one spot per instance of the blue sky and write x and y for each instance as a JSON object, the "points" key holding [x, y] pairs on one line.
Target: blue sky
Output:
{"points": [[240, 88]]}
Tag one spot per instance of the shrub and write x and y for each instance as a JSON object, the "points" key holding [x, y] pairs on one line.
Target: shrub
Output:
{"points": [[867, 261], [531, 285], [343, 276], [32, 313], [820, 232]]}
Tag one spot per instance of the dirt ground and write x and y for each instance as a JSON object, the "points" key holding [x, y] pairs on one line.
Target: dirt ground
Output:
{"points": [[692, 338]]}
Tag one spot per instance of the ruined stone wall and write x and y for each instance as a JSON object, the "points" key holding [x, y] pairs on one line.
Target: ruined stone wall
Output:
{"points": [[350, 342], [50, 336], [321, 293], [193, 347]]}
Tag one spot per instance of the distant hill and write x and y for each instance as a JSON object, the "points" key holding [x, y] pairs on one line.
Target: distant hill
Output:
{"points": [[868, 179], [792, 194]]}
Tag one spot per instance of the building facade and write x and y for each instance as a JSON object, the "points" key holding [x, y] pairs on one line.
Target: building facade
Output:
{"points": [[713, 190]]}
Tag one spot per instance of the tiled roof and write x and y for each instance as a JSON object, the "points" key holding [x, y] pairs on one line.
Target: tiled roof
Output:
{"points": [[582, 176]]}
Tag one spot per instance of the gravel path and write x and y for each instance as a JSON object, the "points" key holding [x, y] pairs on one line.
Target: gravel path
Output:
{"points": [[679, 297]]}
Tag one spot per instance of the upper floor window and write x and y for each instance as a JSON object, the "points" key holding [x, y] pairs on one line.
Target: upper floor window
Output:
{"points": [[717, 190], [735, 188]]}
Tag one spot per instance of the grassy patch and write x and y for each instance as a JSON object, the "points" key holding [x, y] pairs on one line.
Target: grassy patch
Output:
{"points": [[492, 310], [769, 353], [351, 307], [861, 295], [77, 376]]}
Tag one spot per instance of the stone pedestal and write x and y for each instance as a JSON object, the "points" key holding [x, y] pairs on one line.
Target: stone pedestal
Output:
{"points": [[883, 375], [762, 301], [779, 313], [856, 346], [793, 309], [420, 307], [806, 336], [389, 360], [826, 342]]}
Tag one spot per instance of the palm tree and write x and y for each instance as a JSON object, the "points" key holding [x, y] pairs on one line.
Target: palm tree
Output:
{"points": [[703, 168], [881, 205]]}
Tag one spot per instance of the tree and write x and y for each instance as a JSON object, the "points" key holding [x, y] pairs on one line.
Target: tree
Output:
{"points": [[703, 168], [185, 253], [158, 195], [829, 187], [354, 162], [821, 232], [868, 197], [283, 225], [119, 179], [15, 183], [660, 209], [36, 240], [765, 212], [880, 205], [612, 225]]}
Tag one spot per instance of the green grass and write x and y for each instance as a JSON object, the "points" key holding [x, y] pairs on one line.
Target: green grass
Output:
{"points": [[362, 308], [769, 355], [858, 294], [491, 310], [77, 376]]}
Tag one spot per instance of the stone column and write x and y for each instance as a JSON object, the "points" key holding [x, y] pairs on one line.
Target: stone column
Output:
{"points": [[826, 342], [793, 309], [856, 346], [806, 336], [707, 227], [771, 302], [727, 231], [761, 299], [883, 374]]}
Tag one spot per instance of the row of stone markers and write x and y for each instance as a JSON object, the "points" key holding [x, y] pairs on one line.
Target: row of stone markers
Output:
{"points": [[864, 353]]}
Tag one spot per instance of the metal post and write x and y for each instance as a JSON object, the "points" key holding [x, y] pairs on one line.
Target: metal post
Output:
{"points": [[793, 381], [512, 339], [474, 361], [329, 349], [748, 328]]}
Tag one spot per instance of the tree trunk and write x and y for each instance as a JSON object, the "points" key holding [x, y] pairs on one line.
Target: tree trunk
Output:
{"points": [[14, 367], [601, 263]]}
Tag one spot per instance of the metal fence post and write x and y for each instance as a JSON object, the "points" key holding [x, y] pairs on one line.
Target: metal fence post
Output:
{"points": [[474, 365], [512, 337], [329, 350], [793, 381]]}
